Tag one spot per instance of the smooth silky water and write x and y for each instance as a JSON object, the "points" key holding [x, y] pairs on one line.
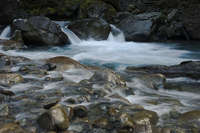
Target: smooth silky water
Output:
{"points": [[116, 53]]}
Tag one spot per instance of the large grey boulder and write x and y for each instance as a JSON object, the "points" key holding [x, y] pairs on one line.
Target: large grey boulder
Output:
{"points": [[138, 27], [40, 31], [94, 28]]}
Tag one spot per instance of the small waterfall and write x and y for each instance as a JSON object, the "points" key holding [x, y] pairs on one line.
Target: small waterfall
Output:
{"points": [[116, 34], [6, 33], [73, 38]]}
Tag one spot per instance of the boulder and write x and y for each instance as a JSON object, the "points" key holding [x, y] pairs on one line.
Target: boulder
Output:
{"points": [[64, 63], [39, 30], [97, 9], [108, 77], [189, 69], [94, 28], [173, 31], [153, 81], [55, 118], [138, 27]]}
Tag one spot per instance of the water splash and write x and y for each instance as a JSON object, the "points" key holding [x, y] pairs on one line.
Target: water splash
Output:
{"points": [[73, 38], [116, 35], [5, 34]]}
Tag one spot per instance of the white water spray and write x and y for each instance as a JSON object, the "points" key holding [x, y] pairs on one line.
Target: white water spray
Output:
{"points": [[73, 38], [6, 33], [119, 37]]}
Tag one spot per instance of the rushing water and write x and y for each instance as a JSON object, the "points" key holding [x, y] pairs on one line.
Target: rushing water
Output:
{"points": [[5, 34], [116, 52]]}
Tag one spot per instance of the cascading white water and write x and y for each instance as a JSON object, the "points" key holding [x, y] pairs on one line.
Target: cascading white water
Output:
{"points": [[72, 37], [5, 33], [119, 37]]}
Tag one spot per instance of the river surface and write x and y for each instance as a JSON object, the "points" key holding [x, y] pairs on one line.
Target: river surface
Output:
{"points": [[116, 53]]}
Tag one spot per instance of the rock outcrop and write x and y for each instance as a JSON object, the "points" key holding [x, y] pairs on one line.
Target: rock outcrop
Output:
{"points": [[39, 31], [94, 28]]}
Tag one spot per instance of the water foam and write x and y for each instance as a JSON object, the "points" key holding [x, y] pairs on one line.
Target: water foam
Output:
{"points": [[5, 34]]}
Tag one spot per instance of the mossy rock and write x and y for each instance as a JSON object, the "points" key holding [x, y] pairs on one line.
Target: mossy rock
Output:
{"points": [[97, 8]]}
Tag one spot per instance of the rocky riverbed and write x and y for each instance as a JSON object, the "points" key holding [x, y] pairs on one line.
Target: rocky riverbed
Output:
{"points": [[74, 66], [61, 95]]}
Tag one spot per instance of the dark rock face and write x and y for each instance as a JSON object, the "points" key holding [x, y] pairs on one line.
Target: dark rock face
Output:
{"points": [[185, 69], [7, 11], [138, 27], [40, 31], [97, 9], [57, 10], [121, 5], [94, 28], [190, 19]]}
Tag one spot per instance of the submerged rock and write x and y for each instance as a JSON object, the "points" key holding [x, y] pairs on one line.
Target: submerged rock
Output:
{"points": [[11, 128], [94, 28], [190, 121], [10, 78], [39, 31], [4, 110], [54, 119], [182, 85], [108, 76]]}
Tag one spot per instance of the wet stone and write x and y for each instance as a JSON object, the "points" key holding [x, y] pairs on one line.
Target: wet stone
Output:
{"points": [[80, 111], [4, 110], [54, 119], [11, 128], [7, 92], [10, 78], [50, 103]]}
